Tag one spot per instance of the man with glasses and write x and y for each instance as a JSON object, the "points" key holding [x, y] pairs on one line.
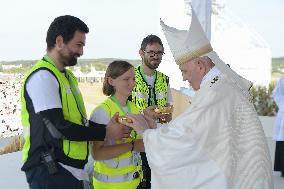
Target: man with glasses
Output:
{"points": [[152, 88]]}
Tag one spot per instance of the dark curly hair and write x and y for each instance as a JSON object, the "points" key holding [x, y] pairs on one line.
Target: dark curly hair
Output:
{"points": [[64, 26], [150, 39]]}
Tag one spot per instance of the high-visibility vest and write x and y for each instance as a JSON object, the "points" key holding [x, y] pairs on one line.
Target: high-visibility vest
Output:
{"points": [[123, 171], [73, 111], [143, 96]]}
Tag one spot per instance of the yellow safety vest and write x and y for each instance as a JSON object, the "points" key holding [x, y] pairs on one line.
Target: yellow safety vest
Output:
{"points": [[123, 171], [72, 106], [142, 94]]}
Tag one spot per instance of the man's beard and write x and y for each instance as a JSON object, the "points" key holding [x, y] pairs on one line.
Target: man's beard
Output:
{"points": [[149, 65], [72, 61], [69, 60]]}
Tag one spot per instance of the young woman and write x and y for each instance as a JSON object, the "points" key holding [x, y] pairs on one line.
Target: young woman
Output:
{"points": [[117, 163]]}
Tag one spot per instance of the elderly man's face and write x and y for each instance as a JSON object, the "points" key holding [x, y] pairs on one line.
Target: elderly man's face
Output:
{"points": [[193, 72]]}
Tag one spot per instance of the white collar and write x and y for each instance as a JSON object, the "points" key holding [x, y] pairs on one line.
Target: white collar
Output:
{"points": [[213, 72]]}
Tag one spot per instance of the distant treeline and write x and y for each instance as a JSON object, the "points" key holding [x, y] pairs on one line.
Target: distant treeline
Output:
{"points": [[278, 62], [102, 63], [277, 68], [85, 64]]}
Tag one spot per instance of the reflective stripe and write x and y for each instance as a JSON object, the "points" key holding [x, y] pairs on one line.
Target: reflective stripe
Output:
{"points": [[52, 129], [116, 178], [141, 95], [68, 89], [134, 160], [26, 130], [161, 95], [78, 90]]}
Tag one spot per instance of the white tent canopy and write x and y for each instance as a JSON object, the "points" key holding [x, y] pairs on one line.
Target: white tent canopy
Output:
{"points": [[92, 76]]}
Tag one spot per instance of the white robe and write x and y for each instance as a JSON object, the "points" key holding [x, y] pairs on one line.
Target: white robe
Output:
{"points": [[278, 95], [217, 143]]}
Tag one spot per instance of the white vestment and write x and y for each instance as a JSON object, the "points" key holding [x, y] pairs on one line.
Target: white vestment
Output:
{"points": [[278, 96], [217, 143]]}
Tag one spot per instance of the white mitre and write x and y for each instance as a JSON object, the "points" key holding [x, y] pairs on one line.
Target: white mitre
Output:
{"points": [[187, 45]]}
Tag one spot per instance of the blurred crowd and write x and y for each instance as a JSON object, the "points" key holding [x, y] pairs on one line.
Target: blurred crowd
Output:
{"points": [[10, 118]]}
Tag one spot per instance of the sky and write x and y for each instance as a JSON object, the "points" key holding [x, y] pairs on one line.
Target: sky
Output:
{"points": [[264, 16], [116, 27]]}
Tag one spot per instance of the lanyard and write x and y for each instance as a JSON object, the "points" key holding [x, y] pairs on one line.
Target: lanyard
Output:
{"points": [[49, 60], [81, 107], [72, 87], [114, 99]]}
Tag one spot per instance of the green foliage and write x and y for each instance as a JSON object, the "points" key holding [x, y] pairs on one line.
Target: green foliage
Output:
{"points": [[85, 69], [100, 66], [263, 101], [262, 96], [17, 70], [85, 64], [17, 62]]}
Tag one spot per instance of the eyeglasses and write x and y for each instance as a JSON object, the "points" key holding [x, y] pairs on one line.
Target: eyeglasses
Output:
{"points": [[153, 53]]}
